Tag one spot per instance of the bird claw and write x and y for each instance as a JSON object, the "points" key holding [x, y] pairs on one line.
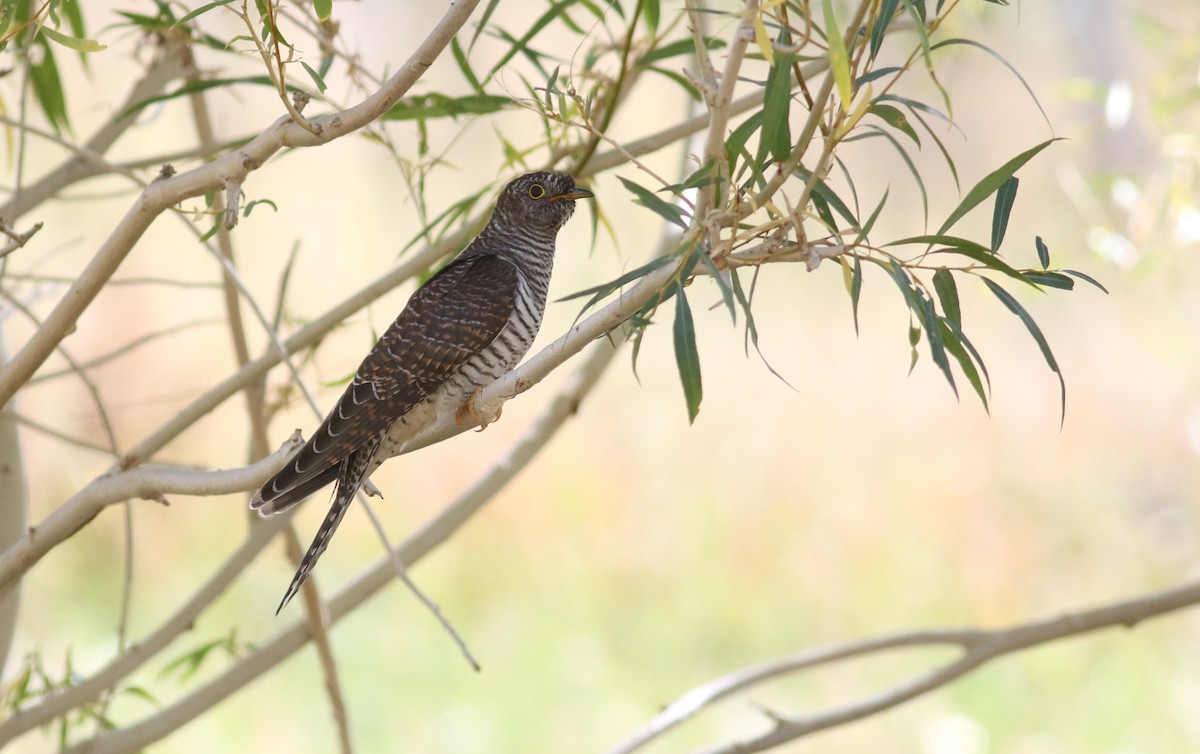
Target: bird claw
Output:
{"points": [[469, 408]]}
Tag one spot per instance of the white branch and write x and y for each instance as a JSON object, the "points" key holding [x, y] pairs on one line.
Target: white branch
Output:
{"points": [[149, 482], [230, 168], [979, 646]]}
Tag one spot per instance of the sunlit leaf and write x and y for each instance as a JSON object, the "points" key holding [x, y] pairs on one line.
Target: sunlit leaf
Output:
{"points": [[324, 9], [74, 43], [839, 61]]}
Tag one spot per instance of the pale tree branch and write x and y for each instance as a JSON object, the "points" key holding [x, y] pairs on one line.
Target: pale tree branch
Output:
{"points": [[979, 646], [233, 167], [14, 510], [152, 482]]}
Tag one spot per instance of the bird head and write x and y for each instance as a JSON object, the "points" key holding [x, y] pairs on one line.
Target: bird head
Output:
{"points": [[543, 200]]}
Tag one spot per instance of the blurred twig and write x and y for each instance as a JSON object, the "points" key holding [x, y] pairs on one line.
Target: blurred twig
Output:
{"points": [[979, 646]]}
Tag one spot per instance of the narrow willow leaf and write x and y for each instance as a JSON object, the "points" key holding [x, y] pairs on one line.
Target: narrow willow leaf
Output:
{"points": [[199, 86], [464, 65], [947, 293], [873, 130], [821, 189], [199, 11], [687, 359], [1086, 278], [316, 77], [887, 11], [680, 47], [952, 343], [612, 285], [427, 106], [776, 136], [719, 276], [74, 43], [876, 74], [651, 12], [1035, 332], [48, 89], [1051, 280], [991, 183], [669, 212], [1043, 251], [895, 118], [324, 9], [736, 143], [941, 148], [556, 10], [1005, 196], [856, 290], [865, 230], [483, 22], [763, 40], [998, 56], [933, 332], [839, 61]]}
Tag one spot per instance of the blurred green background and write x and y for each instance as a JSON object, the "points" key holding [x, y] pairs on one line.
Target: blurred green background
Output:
{"points": [[639, 556]]}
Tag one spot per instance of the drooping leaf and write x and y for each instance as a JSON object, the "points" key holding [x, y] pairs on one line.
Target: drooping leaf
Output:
{"points": [[883, 19], [947, 293], [1035, 332], [952, 343], [48, 88], [1003, 61], [201, 11], [1005, 196], [1051, 280], [1087, 278], [776, 137], [324, 9], [687, 358], [316, 77]]}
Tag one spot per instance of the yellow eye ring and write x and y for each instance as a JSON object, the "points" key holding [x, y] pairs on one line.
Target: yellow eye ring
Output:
{"points": [[537, 191]]}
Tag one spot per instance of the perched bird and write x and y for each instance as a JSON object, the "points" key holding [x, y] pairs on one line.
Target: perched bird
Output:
{"points": [[467, 325]]}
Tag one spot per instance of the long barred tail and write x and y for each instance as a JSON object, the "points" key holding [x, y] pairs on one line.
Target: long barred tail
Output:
{"points": [[351, 474], [319, 543]]}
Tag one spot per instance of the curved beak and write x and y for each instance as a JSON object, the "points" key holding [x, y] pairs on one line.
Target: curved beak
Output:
{"points": [[578, 193]]}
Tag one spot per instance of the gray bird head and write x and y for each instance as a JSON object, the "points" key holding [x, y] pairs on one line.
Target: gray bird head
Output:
{"points": [[538, 200]]}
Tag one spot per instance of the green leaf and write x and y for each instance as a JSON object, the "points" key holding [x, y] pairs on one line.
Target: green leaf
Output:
{"points": [[776, 137], [201, 11], [1005, 196], [839, 61], [950, 338], [324, 9], [74, 43], [652, 12], [669, 212], [1086, 278], [250, 206], [894, 118], [947, 293], [822, 190], [856, 282], [887, 11], [600, 291], [1051, 280], [719, 277], [200, 86], [483, 22], [687, 358], [426, 106], [998, 56], [1043, 251], [1035, 332], [873, 130], [316, 77], [991, 183], [556, 10], [47, 87], [460, 57], [679, 47]]}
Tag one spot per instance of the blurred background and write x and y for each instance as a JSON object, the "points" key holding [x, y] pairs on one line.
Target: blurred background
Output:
{"points": [[639, 556]]}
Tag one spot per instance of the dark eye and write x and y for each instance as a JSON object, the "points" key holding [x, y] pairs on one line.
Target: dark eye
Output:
{"points": [[537, 191]]}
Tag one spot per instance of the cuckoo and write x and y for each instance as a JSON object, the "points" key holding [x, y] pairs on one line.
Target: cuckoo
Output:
{"points": [[466, 326]]}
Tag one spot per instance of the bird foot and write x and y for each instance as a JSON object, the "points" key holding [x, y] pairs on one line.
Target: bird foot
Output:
{"points": [[469, 408]]}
